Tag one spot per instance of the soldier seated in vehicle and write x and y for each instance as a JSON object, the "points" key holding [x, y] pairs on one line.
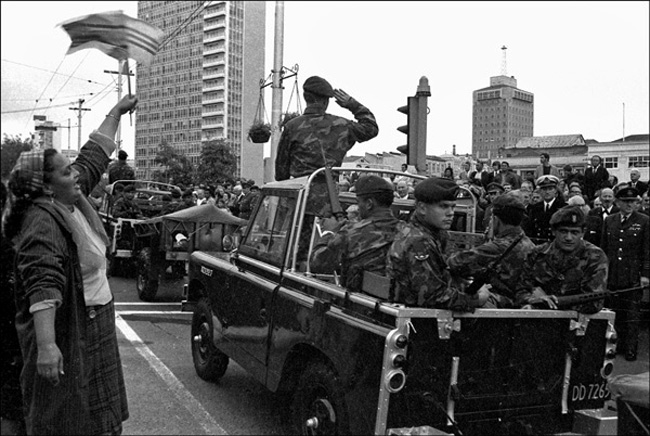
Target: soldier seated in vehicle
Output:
{"points": [[125, 207], [416, 261], [361, 246], [567, 265], [487, 264]]}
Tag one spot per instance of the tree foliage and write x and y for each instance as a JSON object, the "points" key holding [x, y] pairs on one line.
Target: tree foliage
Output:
{"points": [[175, 168], [217, 163], [12, 146]]}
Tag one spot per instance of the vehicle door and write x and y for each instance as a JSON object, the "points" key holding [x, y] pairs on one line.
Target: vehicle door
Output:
{"points": [[259, 262]]}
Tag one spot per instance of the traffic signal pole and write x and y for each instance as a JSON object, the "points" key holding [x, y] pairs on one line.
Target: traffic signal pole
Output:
{"points": [[416, 110]]}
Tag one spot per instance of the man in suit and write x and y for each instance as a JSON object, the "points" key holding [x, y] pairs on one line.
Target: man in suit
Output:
{"points": [[626, 241], [637, 184], [538, 226], [596, 177], [597, 216]]}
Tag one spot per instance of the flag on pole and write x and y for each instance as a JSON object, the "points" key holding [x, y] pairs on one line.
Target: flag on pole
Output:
{"points": [[115, 34]]}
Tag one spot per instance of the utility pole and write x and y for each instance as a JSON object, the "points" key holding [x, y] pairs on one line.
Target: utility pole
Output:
{"points": [[121, 71], [80, 109], [276, 102]]}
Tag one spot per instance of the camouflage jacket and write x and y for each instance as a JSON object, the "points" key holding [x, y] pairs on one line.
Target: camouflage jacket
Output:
{"points": [[125, 208], [120, 171], [357, 247], [417, 268], [317, 139], [558, 273], [505, 277]]}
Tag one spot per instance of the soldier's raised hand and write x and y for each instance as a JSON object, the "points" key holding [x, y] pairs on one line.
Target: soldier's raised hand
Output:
{"points": [[342, 98]]}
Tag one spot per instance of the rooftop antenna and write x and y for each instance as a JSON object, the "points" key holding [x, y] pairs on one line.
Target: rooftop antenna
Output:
{"points": [[504, 63]]}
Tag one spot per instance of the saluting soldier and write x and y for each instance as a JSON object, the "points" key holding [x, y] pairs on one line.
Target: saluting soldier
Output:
{"points": [[416, 262], [508, 212], [626, 241], [360, 246], [567, 265]]}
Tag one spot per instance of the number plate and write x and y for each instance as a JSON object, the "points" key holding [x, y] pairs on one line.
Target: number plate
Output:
{"points": [[584, 395]]}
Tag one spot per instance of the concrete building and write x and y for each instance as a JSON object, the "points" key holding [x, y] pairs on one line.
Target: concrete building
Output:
{"points": [[203, 84], [501, 115]]}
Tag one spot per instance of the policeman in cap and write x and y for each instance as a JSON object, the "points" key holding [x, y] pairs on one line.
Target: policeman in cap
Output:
{"points": [[354, 248], [567, 265], [416, 262], [486, 263], [626, 241]]}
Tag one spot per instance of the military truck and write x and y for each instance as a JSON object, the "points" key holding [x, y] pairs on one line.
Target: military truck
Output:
{"points": [[356, 363]]}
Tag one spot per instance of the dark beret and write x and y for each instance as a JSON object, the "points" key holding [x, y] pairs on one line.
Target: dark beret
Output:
{"points": [[129, 188], [509, 207], [494, 185], [122, 155], [372, 185], [547, 181], [176, 193], [255, 187], [434, 189], [627, 193], [570, 216], [319, 86], [568, 168], [188, 193]]}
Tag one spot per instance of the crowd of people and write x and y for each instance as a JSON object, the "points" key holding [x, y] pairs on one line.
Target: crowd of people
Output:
{"points": [[546, 237]]}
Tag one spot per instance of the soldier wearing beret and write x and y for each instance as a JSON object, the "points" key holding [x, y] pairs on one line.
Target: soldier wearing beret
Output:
{"points": [[508, 212], [537, 226], [360, 246], [567, 265], [416, 263], [125, 207], [626, 241], [120, 170]]}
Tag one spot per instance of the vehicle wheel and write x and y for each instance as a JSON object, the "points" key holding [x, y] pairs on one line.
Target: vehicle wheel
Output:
{"points": [[318, 404], [209, 362], [146, 285]]}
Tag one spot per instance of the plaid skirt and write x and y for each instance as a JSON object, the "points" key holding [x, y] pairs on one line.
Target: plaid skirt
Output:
{"points": [[107, 394]]}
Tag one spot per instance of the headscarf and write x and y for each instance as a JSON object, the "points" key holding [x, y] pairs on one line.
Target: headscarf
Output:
{"points": [[26, 181]]}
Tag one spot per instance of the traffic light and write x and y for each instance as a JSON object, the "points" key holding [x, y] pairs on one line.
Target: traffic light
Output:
{"points": [[411, 130]]}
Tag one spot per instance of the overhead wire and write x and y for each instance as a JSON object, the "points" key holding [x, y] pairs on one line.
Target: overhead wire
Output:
{"points": [[44, 89], [49, 71]]}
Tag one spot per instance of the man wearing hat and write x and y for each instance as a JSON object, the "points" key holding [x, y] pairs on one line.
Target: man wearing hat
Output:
{"points": [[538, 227], [626, 241], [567, 265], [316, 139], [416, 263], [494, 191], [120, 170], [508, 212], [361, 246], [125, 207]]}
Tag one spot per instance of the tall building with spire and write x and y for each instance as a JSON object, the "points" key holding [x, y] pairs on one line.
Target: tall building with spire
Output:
{"points": [[501, 115], [203, 84]]}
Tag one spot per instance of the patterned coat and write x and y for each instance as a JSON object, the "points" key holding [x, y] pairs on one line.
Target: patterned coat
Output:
{"points": [[505, 277], [317, 139], [358, 247], [558, 273], [417, 268], [628, 248]]}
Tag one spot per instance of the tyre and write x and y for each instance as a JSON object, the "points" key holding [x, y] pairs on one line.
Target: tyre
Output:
{"points": [[147, 279], [319, 404], [209, 362]]}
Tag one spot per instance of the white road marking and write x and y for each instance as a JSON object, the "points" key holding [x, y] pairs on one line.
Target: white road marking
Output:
{"points": [[140, 303], [152, 312], [201, 416]]}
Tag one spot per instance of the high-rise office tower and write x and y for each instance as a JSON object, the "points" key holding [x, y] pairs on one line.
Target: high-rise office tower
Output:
{"points": [[501, 115], [203, 84]]}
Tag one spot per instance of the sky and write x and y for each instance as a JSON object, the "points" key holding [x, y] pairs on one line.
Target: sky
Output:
{"points": [[586, 63]]}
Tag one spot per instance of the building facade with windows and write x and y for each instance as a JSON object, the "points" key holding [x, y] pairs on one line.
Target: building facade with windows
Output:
{"points": [[203, 84], [623, 155], [501, 115]]}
